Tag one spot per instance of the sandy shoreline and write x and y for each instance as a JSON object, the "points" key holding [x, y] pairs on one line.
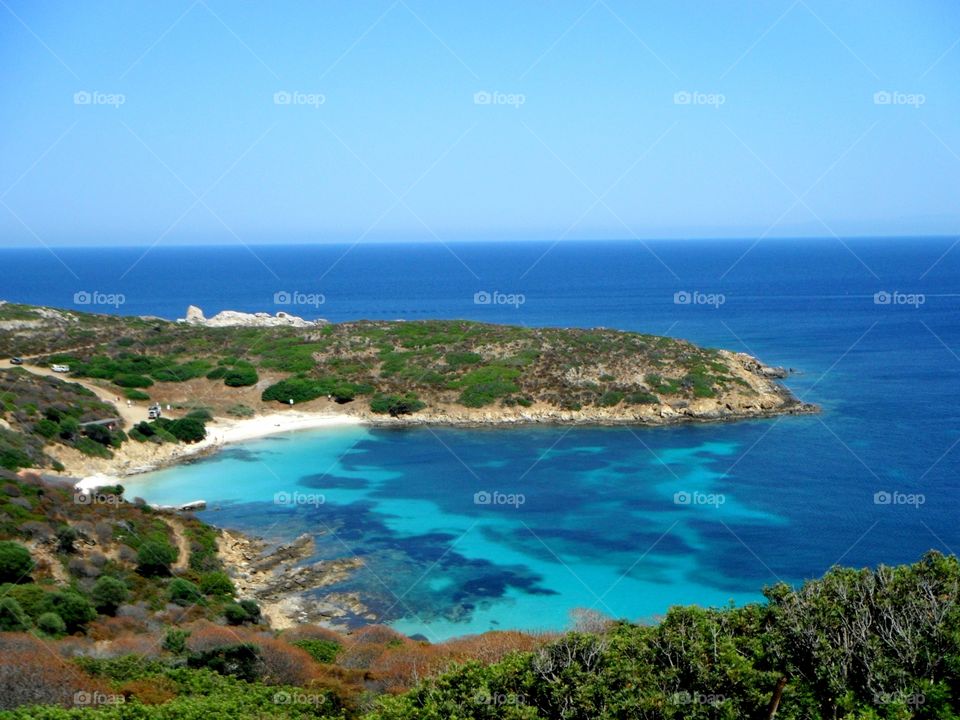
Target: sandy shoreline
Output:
{"points": [[225, 432]]}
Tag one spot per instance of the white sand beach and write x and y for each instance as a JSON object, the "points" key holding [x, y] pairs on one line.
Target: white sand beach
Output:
{"points": [[225, 432]]}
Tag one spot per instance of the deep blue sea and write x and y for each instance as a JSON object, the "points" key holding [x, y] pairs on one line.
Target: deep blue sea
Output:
{"points": [[873, 479]]}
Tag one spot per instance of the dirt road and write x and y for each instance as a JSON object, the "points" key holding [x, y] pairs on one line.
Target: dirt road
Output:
{"points": [[131, 415]]}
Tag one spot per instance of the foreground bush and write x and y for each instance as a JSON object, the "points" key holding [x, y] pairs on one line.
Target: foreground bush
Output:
{"points": [[15, 562], [855, 644]]}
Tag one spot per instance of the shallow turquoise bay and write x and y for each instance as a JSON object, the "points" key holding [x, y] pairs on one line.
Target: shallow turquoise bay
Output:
{"points": [[598, 519]]}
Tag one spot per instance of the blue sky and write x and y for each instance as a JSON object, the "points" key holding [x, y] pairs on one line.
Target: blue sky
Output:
{"points": [[140, 122]]}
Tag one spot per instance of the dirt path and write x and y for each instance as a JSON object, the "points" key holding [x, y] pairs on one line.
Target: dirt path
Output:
{"points": [[131, 414], [182, 543]]}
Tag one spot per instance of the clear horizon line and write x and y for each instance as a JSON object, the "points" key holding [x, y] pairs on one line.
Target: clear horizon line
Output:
{"points": [[498, 240]]}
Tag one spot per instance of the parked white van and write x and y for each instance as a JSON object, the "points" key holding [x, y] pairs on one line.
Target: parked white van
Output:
{"points": [[60, 368]]}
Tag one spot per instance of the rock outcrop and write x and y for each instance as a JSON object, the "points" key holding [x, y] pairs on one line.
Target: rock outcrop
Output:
{"points": [[234, 318]]}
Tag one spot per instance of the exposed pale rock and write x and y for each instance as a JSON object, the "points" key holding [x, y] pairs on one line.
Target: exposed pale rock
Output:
{"points": [[235, 318]]}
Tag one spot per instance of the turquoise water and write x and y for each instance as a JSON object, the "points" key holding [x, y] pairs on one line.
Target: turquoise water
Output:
{"points": [[589, 520], [599, 526]]}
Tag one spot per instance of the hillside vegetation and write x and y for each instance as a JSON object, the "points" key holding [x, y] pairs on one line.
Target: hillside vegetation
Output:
{"points": [[441, 369]]}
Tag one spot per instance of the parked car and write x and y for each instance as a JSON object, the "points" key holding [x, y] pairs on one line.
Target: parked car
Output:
{"points": [[60, 368], [153, 412], [16, 361]]}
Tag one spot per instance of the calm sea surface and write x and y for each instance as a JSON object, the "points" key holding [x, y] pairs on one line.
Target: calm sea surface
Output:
{"points": [[603, 521]]}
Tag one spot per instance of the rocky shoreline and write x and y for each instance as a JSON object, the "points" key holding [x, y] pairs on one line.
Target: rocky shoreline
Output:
{"points": [[280, 579]]}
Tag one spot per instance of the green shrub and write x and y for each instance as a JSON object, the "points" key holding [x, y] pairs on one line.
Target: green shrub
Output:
{"points": [[129, 380], [12, 616], [15, 562], [182, 372], [235, 614], [154, 558], [217, 583], [122, 669], [298, 389], [134, 394], [396, 405], [304, 389], [108, 594], [92, 448], [175, 641], [324, 651], [69, 428], [70, 605], [486, 384], [187, 429], [217, 373], [30, 596], [184, 593], [47, 428], [241, 661], [98, 433], [12, 458], [66, 537], [610, 398], [641, 397], [241, 376], [145, 429], [252, 610], [701, 384], [51, 624], [460, 359]]}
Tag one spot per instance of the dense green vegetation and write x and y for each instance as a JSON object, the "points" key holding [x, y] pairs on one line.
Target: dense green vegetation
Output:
{"points": [[44, 411], [397, 367], [857, 644], [48, 410], [114, 552]]}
